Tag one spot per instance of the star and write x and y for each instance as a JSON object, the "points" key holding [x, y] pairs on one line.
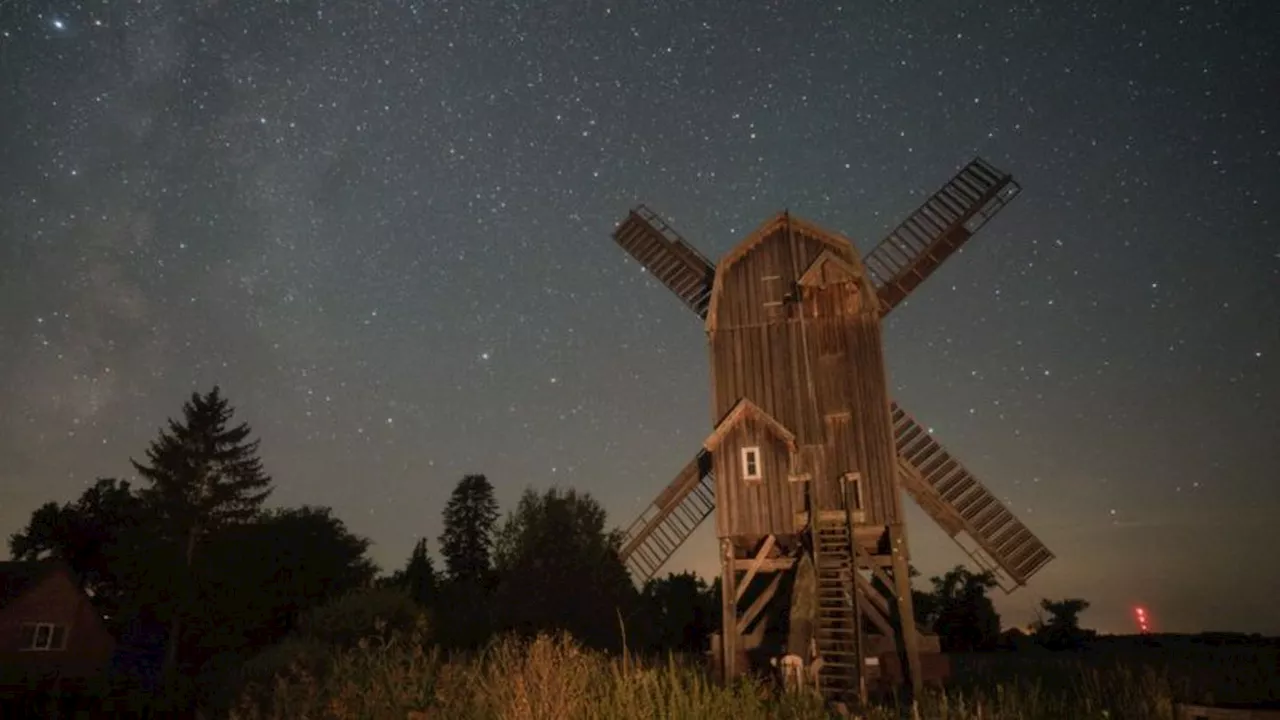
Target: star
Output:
{"points": [[346, 229]]}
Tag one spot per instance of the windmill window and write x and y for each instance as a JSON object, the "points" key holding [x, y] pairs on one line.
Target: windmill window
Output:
{"points": [[751, 463], [773, 291], [43, 636], [853, 490]]}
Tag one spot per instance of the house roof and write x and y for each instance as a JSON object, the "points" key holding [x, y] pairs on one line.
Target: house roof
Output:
{"points": [[17, 576], [742, 410]]}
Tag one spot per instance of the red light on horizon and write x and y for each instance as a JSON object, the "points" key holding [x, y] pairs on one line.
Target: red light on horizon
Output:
{"points": [[1140, 614]]}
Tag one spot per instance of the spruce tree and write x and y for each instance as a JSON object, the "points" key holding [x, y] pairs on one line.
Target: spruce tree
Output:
{"points": [[203, 474], [419, 578], [469, 521]]}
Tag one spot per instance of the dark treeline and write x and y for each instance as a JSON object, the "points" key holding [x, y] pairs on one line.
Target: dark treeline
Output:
{"points": [[198, 580]]}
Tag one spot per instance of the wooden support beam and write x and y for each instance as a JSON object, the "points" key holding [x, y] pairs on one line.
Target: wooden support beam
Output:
{"points": [[759, 604], [906, 611], [869, 610], [765, 548], [729, 634], [766, 565], [876, 564], [869, 590]]}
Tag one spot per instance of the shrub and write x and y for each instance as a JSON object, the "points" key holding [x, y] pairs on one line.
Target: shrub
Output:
{"points": [[361, 615]]}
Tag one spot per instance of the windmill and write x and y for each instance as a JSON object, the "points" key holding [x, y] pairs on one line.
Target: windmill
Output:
{"points": [[808, 454]]}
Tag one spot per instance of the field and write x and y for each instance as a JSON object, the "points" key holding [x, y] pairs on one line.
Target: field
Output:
{"points": [[554, 678]]}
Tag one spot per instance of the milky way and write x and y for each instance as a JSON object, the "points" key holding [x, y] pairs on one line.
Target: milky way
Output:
{"points": [[384, 228]]}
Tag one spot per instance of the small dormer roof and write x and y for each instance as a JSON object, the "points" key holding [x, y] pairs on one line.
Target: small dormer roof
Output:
{"points": [[827, 265], [741, 411]]}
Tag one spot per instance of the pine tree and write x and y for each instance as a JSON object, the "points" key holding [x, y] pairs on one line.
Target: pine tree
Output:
{"points": [[419, 578], [204, 475], [469, 521]]}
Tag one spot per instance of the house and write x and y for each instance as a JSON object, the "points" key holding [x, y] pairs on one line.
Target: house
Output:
{"points": [[50, 632]]}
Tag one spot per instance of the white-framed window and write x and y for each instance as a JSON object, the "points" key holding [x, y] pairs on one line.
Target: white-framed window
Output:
{"points": [[751, 463], [43, 636]]}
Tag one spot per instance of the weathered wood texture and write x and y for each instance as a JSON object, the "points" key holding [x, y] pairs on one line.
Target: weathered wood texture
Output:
{"points": [[794, 328], [762, 507]]}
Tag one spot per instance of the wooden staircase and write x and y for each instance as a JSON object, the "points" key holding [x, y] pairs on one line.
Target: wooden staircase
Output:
{"points": [[838, 630]]}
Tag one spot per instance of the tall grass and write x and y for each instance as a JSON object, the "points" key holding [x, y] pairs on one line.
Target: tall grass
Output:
{"points": [[552, 677]]}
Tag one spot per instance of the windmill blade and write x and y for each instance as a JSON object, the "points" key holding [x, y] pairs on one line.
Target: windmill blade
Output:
{"points": [[917, 247], [672, 517], [661, 250], [964, 508]]}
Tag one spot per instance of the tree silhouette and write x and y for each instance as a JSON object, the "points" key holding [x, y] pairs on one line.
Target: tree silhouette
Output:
{"points": [[466, 544], [257, 579], [104, 536], [962, 615], [680, 612], [418, 578], [559, 569], [467, 540], [1062, 631], [78, 533], [204, 475]]}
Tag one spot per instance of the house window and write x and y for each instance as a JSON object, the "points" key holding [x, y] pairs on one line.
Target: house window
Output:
{"points": [[43, 636], [751, 463]]}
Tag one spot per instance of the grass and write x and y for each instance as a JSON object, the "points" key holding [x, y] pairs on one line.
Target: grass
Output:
{"points": [[552, 677]]}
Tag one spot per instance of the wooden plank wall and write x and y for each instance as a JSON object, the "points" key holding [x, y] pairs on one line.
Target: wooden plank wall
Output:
{"points": [[755, 507], [832, 396], [854, 398]]}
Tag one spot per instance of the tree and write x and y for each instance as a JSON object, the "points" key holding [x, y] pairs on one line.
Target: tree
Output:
{"points": [[418, 578], [467, 540], [105, 537], [962, 615], [559, 569], [256, 579], [361, 614], [680, 611], [204, 475], [1062, 631]]}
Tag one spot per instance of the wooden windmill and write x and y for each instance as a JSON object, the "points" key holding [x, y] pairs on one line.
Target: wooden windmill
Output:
{"points": [[808, 453]]}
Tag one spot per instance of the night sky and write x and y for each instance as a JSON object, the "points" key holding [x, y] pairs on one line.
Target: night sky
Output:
{"points": [[384, 229]]}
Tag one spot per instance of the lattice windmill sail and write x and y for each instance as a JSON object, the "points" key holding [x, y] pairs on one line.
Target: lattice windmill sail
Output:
{"points": [[793, 319]]}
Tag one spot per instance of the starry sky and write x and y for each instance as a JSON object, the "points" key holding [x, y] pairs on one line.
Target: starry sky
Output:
{"points": [[384, 229]]}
